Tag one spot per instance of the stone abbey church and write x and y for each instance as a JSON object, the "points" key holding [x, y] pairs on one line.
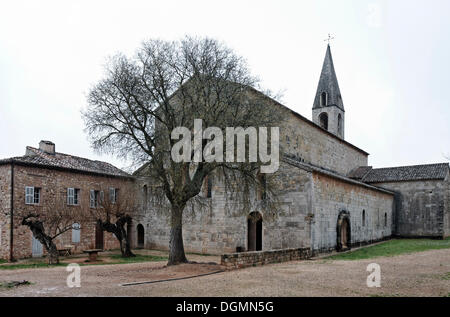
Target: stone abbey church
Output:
{"points": [[331, 199]]}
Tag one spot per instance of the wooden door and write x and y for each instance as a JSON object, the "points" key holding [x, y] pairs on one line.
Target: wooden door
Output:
{"points": [[99, 237], [37, 250]]}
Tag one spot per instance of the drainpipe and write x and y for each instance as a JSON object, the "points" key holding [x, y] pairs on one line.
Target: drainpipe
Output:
{"points": [[11, 231]]}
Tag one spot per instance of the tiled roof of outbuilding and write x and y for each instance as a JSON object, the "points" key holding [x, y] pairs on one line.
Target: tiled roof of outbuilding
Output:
{"points": [[401, 173], [37, 157]]}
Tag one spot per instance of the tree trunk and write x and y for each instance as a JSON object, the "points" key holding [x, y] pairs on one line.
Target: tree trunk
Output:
{"points": [[176, 252], [53, 256], [120, 233], [37, 228], [125, 246]]}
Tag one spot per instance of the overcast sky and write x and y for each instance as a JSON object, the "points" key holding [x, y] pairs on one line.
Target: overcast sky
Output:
{"points": [[392, 60]]}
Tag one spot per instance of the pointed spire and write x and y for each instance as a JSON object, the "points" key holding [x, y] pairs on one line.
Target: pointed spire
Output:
{"points": [[328, 83]]}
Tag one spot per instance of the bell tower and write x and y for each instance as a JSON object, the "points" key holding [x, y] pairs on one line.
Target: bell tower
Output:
{"points": [[328, 108]]}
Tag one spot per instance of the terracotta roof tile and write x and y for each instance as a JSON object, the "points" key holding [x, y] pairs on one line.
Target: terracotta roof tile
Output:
{"points": [[59, 160], [403, 173]]}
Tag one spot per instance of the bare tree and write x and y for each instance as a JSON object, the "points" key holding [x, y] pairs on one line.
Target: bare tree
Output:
{"points": [[51, 220], [141, 100], [114, 213]]}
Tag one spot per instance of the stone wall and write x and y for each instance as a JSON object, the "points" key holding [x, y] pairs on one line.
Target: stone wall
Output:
{"points": [[54, 184], [331, 196], [305, 197], [423, 209], [222, 226], [254, 258], [447, 209], [5, 202], [313, 145]]}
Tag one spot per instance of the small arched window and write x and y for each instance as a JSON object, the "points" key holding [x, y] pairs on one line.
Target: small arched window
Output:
{"points": [[323, 120], [323, 98], [364, 218], [385, 219]]}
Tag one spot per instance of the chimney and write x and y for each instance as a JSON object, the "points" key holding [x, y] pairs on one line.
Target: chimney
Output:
{"points": [[47, 147]]}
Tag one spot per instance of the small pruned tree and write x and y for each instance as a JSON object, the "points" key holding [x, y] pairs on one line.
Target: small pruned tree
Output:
{"points": [[114, 213], [51, 220], [133, 111]]}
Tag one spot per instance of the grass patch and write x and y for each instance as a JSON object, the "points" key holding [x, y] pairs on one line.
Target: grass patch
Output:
{"points": [[13, 284], [104, 260], [446, 276], [393, 247], [29, 266], [138, 258]]}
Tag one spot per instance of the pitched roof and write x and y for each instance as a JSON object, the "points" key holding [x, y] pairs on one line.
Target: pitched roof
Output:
{"points": [[36, 157], [311, 123], [328, 83], [402, 173], [310, 167]]}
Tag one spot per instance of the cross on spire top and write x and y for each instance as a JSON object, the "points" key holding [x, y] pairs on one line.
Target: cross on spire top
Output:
{"points": [[329, 38]]}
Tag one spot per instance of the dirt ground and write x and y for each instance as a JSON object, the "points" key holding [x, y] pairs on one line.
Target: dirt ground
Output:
{"points": [[419, 274]]}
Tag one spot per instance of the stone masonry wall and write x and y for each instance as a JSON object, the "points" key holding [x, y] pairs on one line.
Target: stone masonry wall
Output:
{"points": [[5, 201], [315, 146], [447, 209], [222, 227], [254, 258], [422, 207], [331, 196], [54, 183]]}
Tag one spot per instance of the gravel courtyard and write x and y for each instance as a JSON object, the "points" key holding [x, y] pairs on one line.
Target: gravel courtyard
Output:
{"points": [[419, 274]]}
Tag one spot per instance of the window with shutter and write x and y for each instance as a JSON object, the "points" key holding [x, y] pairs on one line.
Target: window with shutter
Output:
{"points": [[112, 195], [29, 195], [37, 195], [70, 196], [76, 195], [113, 192], [92, 199]]}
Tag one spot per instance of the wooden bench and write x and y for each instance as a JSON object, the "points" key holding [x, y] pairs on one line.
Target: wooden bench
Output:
{"points": [[92, 254]]}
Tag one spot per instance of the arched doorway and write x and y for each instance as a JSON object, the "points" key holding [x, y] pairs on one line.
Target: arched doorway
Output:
{"points": [[343, 231], [140, 236], [254, 231]]}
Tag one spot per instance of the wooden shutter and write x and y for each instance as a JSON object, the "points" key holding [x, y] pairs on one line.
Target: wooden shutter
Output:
{"points": [[29, 195], [92, 198], [112, 195], [70, 196]]}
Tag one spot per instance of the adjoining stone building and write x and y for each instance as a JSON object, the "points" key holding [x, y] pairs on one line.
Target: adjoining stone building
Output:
{"points": [[422, 197], [27, 183]]}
